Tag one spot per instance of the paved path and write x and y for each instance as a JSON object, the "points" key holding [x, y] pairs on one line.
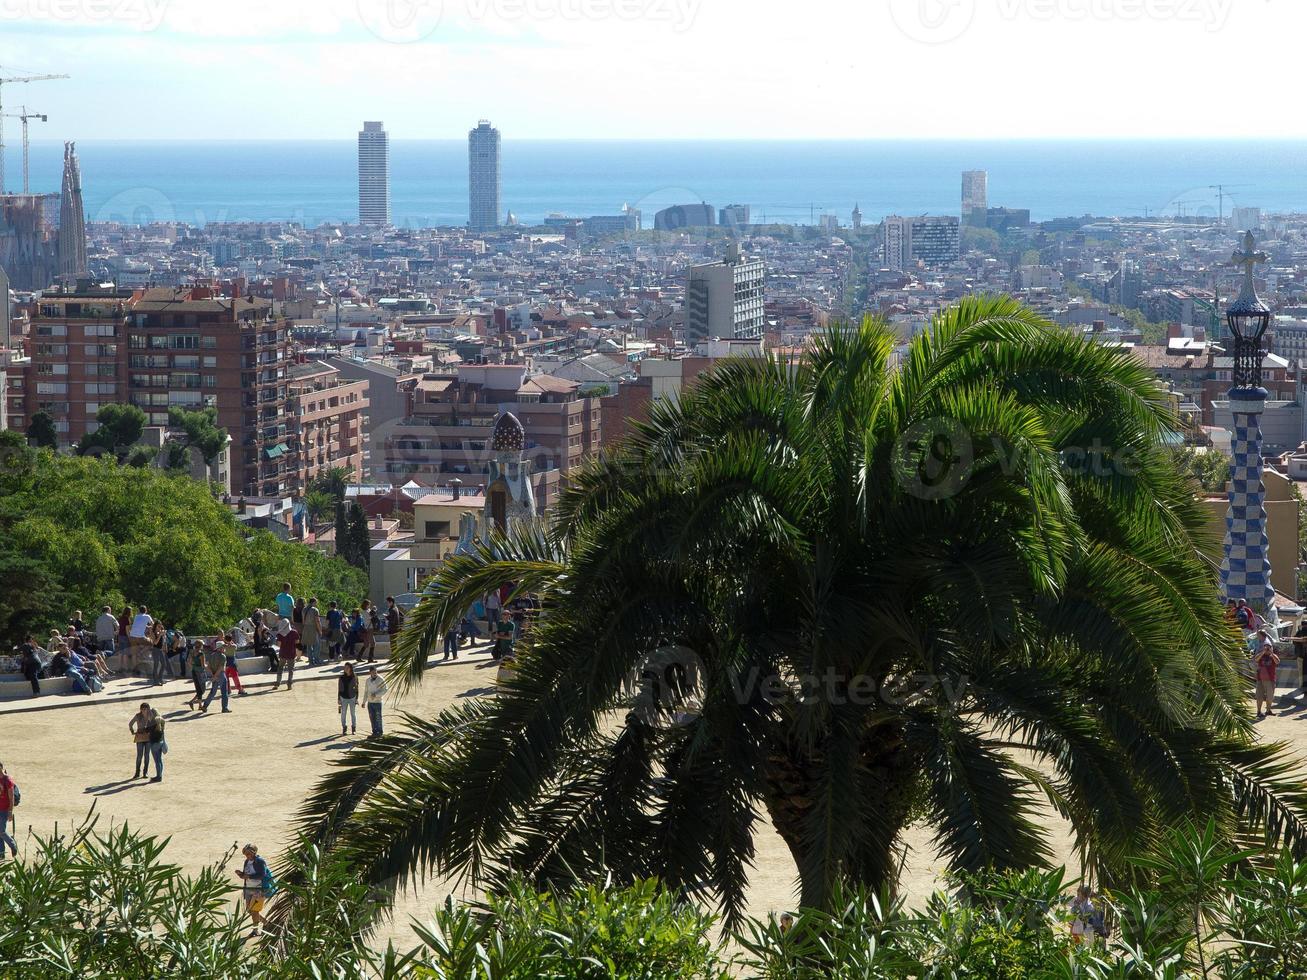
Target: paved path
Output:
{"points": [[241, 776]]}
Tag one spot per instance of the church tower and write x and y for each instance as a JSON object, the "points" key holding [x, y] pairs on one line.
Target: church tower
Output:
{"points": [[72, 219]]}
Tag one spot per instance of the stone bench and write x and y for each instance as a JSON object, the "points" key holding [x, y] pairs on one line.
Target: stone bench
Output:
{"points": [[14, 688]]}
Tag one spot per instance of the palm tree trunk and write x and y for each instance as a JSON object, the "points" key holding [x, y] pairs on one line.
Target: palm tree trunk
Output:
{"points": [[793, 782]]}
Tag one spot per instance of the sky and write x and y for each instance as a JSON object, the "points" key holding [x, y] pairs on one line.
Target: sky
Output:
{"points": [[658, 69]]}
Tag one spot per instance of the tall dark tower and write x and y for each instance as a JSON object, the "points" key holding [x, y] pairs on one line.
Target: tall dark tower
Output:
{"points": [[72, 219]]}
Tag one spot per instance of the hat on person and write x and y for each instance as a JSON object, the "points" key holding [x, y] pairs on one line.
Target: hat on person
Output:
{"points": [[283, 627]]}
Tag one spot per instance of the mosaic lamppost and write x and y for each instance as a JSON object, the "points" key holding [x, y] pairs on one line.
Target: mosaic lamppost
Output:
{"points": [[1246, 565]]}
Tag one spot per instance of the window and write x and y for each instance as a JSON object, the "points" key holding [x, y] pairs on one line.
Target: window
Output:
{"points": [[187, 361], [102, 388], [136, 341], [51, 330], [52, 350], [210, 361], [437, 529], [186, 341], [210, 381], [208, 342], [101, 330], [52, 388]]}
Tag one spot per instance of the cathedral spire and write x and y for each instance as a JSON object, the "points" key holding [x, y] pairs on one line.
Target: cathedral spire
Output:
{"points": [[72, 219]]}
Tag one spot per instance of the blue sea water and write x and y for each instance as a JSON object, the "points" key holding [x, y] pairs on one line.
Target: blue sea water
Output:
{"points": [[315, 181]]}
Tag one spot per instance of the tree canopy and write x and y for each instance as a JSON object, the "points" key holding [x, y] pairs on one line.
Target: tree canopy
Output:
{"points": [[79, 531]]}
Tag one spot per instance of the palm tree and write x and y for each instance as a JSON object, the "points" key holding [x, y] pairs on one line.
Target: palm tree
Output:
{"points": [[855, 592]]}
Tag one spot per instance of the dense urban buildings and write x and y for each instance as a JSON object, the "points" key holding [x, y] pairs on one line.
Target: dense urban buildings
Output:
{"points": [[374, 176], [725, 299], [483, 177]]}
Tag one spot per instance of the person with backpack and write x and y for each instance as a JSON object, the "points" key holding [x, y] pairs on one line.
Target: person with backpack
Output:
{"points": [[9, 798], [257, 885], [158, 743]]}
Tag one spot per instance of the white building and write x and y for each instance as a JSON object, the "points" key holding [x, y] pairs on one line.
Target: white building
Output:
{"points": [[483, 177], [934, 240], [374, 176], [725, 299]]}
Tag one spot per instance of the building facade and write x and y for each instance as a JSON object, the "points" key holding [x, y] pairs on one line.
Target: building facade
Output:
{"points": [[975, 192], [327, 425], [725, 299], [483, 177], [933, 240], [374, 176]]}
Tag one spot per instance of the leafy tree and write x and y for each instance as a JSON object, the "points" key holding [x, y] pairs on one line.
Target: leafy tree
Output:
{"points": [[201, 430], [109, 533], [1210, 469], [851, 597], [119, 429], [41, 431]]}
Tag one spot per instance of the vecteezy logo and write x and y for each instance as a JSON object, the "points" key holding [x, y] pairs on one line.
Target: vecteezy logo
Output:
{"points": [[666, 684], [933, 459], [933, 21], [401, 21]]}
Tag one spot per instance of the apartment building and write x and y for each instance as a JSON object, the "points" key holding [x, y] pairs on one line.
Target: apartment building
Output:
{"points": [[451, 416], [327, 424]]}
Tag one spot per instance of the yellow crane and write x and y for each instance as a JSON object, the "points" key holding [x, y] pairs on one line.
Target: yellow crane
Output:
{"points": [[8, 80], [24, 115]]}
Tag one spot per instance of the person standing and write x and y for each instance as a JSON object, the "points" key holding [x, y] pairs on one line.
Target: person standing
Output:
{"points": [[1267, 663], [451, 643], [374, 692], [287, 641], [335, 631], [217, 663], [140, 637], [158, 638], [231, 669], [368, 642], [157, 743], [199, 674], [8, 800], [311, 633], [254, 878], [139, 726], [347, 698], [106, 631], [394, 619], [492, 611], [285, 601]]}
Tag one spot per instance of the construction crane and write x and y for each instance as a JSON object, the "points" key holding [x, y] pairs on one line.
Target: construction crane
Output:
{"points": [[6, 80], [24, 115], [1220, 198]]}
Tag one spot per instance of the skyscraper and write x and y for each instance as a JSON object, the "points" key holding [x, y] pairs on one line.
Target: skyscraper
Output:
{"points": [[72, 218], [483, 177], [975, 192], [374, 176]]}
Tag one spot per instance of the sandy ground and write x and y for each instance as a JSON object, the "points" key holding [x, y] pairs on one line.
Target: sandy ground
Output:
{"points": [[241, 776]]}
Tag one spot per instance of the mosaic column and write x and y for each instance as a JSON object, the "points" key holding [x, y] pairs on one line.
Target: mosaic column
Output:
{"points": [[1246, 566]]}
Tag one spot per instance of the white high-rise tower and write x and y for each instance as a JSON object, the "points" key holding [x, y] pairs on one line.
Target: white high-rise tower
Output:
{"points": [[374, 176], [483, 177], [975, 192]]}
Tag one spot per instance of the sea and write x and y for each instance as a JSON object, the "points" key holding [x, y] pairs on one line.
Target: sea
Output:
{"points": [[315, 182]]}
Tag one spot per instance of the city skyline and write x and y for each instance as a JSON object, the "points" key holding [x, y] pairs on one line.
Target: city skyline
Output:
{"points": [[348, 56]]}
